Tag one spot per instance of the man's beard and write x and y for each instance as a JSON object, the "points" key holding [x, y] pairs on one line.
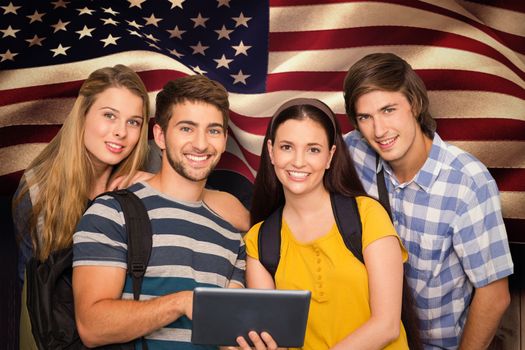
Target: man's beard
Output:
{"points": [[181, 170]]}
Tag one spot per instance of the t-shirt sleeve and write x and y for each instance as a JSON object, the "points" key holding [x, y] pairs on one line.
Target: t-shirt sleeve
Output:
{"points": [[251, 238], [480, 239], [100, 238], [238, 275], [376, 223]]}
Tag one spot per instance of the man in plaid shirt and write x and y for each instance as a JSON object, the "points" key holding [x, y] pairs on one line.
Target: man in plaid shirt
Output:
{"points": [[445, 204]]}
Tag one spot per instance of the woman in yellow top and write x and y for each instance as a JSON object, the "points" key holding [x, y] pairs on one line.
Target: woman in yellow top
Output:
{"points": [[304, 159]]}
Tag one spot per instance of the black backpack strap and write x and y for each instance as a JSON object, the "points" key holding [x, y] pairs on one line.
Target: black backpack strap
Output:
{"points": [[348, 222], [138, 228], [269, 241], [381, 189], [140, 241]]}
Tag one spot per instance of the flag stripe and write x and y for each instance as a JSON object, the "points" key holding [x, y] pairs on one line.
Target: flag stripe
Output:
{"points": [[12, 135], [231, 162], [388, 35], [513, 204], [155, 78], [476, 129], [509, 179]]}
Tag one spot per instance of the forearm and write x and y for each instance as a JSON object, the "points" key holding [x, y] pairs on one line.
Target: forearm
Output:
{"points": [[375, 334], [484, 316], [117, 321]]}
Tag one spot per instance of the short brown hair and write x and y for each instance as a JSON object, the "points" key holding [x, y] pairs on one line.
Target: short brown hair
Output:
{"points": [[388, 72], [193, 88]]}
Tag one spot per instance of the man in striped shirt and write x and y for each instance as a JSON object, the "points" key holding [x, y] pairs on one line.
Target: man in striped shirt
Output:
{"points": [[192, 245], [445, 204]]}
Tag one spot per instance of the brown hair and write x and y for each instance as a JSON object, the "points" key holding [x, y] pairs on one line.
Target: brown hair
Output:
{"points": [[193, 88], [388, 72], [341, 177]]}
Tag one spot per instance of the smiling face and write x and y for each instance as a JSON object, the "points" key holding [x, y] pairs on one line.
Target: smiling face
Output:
{"points": [[386, 121], [300, 155], [194, 139], [112, 126]]}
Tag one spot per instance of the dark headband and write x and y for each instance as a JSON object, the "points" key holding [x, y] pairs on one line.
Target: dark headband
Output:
{"points": [[306, 102]]}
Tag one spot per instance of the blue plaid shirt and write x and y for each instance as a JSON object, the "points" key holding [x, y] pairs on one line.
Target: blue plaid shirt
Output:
{"points": [[449, 218]]}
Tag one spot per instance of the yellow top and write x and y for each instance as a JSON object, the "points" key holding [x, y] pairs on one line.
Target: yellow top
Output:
{"points": [[338, 281]]}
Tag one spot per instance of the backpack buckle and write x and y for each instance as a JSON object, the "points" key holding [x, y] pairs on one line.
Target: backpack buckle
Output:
{"points": [[138, 269]]}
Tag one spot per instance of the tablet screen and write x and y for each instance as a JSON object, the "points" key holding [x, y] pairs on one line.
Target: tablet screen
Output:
{"points": [[220, 315]]}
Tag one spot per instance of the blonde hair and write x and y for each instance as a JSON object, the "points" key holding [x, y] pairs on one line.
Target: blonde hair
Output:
{"points": [[63, 172]]}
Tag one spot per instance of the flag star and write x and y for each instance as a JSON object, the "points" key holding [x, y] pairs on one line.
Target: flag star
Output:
{"points": [[199, 48], [133, 32], [60, 26], [10, 8], [153, 45], [109, 20], [223, 62], [241, 20], [224, 33], [152, 20], [176, 53], [134, 24], [8, 55], [138, 3], [60, 3], [36, 17], [199, 21], [9, 31], [240, 77], [151, 37], [35, 41], [60, 50], [85, 32], [198, 70], [176, 3], [110, 40], [176, 32], [241, 49], [223, 3], [110, 11], [85, 11]]}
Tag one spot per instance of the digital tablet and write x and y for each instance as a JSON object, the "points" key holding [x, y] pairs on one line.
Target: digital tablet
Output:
{"points": [[220, 315]]}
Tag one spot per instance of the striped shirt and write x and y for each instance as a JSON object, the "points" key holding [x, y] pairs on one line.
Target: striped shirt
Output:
{"points": [[449, 218], [192, 246]]}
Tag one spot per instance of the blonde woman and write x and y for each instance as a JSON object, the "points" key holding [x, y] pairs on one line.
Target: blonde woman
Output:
{"points": [[103, 138]]}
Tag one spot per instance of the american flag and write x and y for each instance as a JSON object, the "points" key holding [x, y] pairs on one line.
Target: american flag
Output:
{"points": [[471, 56]]}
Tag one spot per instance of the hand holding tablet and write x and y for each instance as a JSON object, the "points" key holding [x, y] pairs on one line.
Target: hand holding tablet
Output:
{"points": [[220, 315]]}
